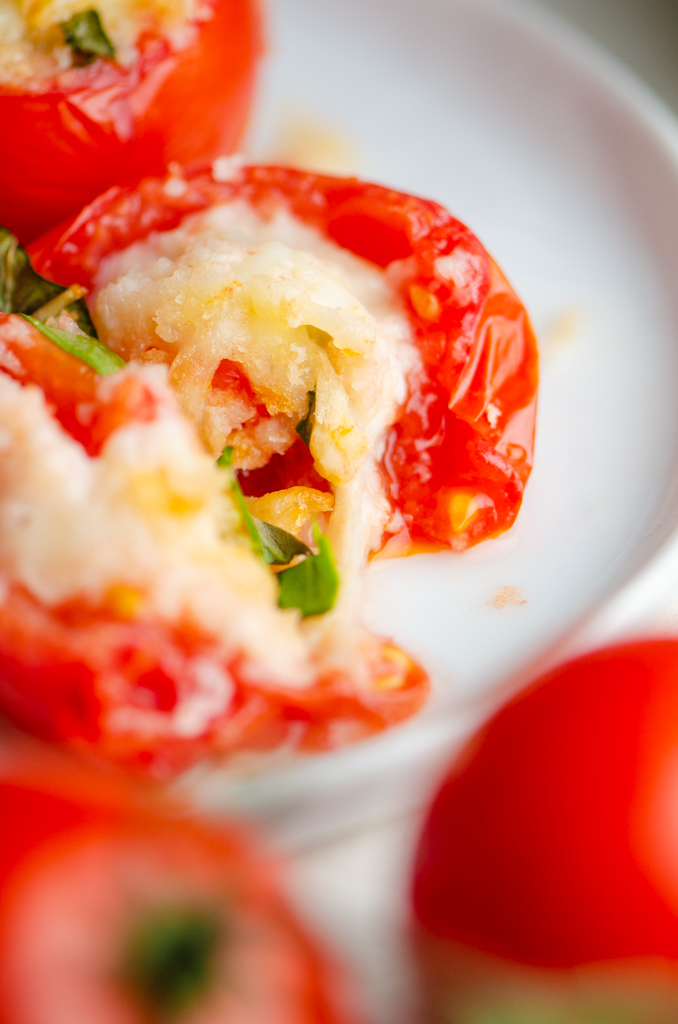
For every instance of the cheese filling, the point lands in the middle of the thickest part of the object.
(301, 319)
(33, 47)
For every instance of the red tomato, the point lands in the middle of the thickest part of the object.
(461, 452)
(553, 844)
(57, 665)
(102, 124)
(70, 385)
(120, 910)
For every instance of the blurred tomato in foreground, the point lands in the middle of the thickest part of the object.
(546, 881)
(116, 911)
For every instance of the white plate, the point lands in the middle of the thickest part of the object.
(567, 169)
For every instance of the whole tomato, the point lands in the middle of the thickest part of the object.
(95, 126)
(116, 910)
(546, 880)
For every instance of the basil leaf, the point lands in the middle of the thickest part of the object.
(312, 585)
(279, 546)
(226, 458)
(23, 290)
(248, 521)
(273, 545)
(305, 426)
(85, 35)
(90, 350)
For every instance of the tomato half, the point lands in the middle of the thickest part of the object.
(548, 864)
(98, 125)
(460, 454)
(67, 671)
(120, 910)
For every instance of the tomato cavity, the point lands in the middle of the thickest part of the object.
(378, 240)
(294, 468)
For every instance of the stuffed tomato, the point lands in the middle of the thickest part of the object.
(94, 96)
(455, 430)
(293, 371)
(121, 910)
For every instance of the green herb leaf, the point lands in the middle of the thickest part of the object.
(90, 350)
(248, 521)
(226, 458)
(313, 584)
(279, 546)
(270, 543)
(85, 35)
(305, 426)
(170, 959)
(224, 461)
(23, 290)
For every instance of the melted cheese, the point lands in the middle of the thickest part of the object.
(297, 314)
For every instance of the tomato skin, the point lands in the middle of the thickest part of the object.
(62, 816)
(103, 124)
(70, 386)
(68, 672)
(460, 454)
(552, 842)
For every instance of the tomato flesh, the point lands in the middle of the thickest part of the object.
(85, 409)
(293, 469)
(69, 672)
(553, 840)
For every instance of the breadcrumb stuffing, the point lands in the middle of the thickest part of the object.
(32, 45)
